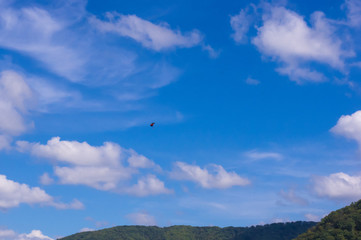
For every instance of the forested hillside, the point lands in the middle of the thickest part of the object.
(344, 223)
(276, 231)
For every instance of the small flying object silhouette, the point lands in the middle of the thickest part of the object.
(152, 124)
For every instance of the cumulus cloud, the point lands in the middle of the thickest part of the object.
(157, 37)
(101, 167)
(12, 194)
(74, 152)
(102, 178)
(142, 218)
(338, 186)
(213, 177)
(7, 234)
(33, 235)
(287, 38)
(349, 126)
(149, 185)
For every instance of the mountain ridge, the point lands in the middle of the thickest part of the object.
(274, 231)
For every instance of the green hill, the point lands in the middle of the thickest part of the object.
(276, 231)
(343, 224)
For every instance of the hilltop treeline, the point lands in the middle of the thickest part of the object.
(344, 223)
(276, 231)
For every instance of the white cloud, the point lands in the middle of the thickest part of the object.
(74, 152)
(338, 186)
(255, 155)
(69, 47)
(4, 142)
(100, 167)
(142, 218)
(7, 234)
(33, 235)
(45, 179)
(75, 204)
(353, 12)
(292, 197)
(102, 178)
(219, 179)
(157, 37)
(31, 31)
(12, 194)
(86, 230)
(240, 24)
(349, 126)
(252, 81)
(312, 217)
(139, 161)
(16, 98)
(287, 38)
(149, 185)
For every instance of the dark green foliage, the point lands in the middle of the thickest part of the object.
(276, 231)
(344, 223)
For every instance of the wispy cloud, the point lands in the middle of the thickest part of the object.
(312, 217)
(240, 24)
(293, 197)
(142, 218)
(154, 36)
(252, 81)
(353, 12)
(256, 155)
(213, 177)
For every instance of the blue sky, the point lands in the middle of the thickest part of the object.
(256, 107)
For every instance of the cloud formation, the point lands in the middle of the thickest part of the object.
(286, 37)
(16, 99)
(338, 186)
(213, 177)
(142, 218)
(256, 155)
(7, 234)
(149, 185)
(353, 12)
(157, 37)
(62, 41)
(349, 126)
(12, 194)
(292, 197)
(240, 24)
(100, 167)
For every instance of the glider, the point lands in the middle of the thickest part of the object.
(152, 124)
